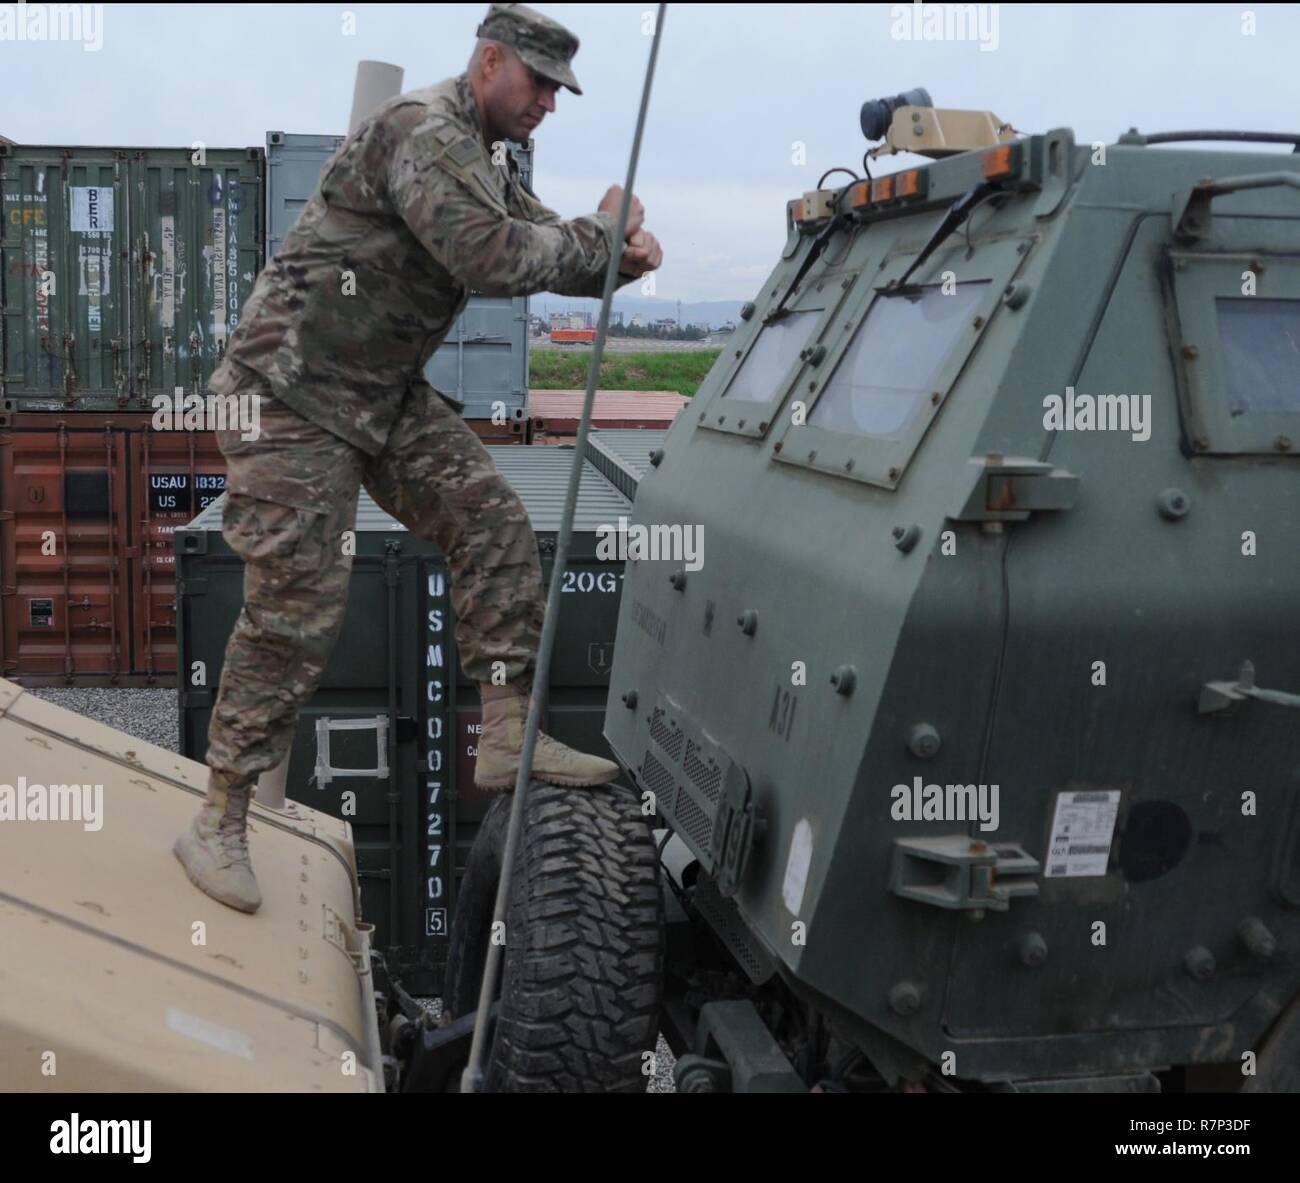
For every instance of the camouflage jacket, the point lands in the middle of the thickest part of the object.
(410, 214)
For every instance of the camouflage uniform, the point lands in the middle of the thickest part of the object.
(411, 213)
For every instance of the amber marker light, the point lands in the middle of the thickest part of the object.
(910, 184)
(998, 162)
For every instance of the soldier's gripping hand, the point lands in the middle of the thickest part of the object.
(611, 203)
(641, 255)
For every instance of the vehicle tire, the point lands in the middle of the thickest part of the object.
(584, 954)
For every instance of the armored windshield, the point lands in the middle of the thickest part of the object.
(771, 356)
(890, 369)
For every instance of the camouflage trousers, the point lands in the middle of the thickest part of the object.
(291, 501)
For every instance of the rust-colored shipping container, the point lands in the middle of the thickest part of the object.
(64, 586)
(573, 336)
(88, 506)
(513, 431)
(174, 476)
(553, 414)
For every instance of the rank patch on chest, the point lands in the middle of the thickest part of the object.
(463, 151)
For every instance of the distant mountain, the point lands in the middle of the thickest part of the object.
(710, 312)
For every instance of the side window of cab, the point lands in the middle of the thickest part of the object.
(1236, 330)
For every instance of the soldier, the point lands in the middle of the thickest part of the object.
(420, 204)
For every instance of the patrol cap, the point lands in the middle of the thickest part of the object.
(544, 45)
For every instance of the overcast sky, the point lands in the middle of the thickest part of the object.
(737, 86)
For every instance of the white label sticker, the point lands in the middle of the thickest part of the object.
(1082, 830)
(92, 209)
(796, 867)
(225, 1039)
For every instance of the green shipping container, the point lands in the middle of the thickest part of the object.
(123, 269)
(394, 702)
(622, 455)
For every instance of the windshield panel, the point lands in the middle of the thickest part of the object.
(890, 369)
(771, 356)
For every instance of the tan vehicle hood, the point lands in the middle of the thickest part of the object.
(117, 974)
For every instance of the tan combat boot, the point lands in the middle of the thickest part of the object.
(505, 712)
(214, 850)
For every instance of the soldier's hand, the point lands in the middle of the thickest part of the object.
(643, 254)
(612, 202)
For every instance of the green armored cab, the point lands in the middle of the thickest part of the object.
(972, 711)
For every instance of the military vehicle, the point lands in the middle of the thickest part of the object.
(971, 726)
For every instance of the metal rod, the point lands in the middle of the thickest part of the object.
(1247, 137)
(475, 1076)
(392, 581)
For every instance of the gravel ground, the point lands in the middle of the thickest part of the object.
(148, 714)
(662, 1081)
(151, 714)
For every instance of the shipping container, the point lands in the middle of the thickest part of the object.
(293, 167)
(554, 414)
(106, 616)
(483, 363)
(623, 456)
(573, 336)
(388, 741)
(123, 270)
(88, 504)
